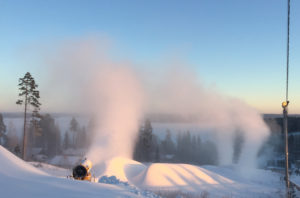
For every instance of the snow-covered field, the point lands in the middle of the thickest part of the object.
(131, 179)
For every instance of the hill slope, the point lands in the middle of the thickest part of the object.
(20, 179)
(224, 181)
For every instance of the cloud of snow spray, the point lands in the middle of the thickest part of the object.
(113, 91)
(180, 92)
(120, 110)
(88, 81)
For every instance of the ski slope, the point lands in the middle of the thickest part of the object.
(224, 181)
(20, 179)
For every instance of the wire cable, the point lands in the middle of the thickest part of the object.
(287, 53)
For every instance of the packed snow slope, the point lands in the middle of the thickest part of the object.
(20, 179)
(224, 181)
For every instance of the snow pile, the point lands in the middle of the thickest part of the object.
(169, 175)
(217, 181)
(124, 169)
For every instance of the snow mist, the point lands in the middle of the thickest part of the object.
(88, 81)
(180, 92)
(85, 75)
(119, 109)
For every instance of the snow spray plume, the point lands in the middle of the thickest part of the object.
(180, 92)
(120, 110)
(90, 82)
(86, 76)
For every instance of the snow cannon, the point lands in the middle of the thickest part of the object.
(83, 170)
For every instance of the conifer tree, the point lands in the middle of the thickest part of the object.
(74, 128)
(66, 143)
(29, 97)
(144, 143)
(147, 140)
(168, 144)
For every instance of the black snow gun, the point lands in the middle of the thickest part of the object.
(83, 170)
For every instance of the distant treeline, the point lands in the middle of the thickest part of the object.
(276, 139)
(184, 148)
(45, 137)
(274, 121)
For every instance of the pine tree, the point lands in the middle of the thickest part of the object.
(34, 132)
(30, 97)
(168, 144)
(144, 143)
(198, 150)
(157, 154)
(74, 128)
(66, 143)
(147, 140)
(50, 139)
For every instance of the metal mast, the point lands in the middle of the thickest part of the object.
(285, 104)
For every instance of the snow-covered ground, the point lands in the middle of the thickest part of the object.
(21, 179)
(225, 181)
(134, 179)
(51, 169)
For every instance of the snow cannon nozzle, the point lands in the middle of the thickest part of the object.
(82, 171)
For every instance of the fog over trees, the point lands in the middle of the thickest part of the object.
(45, 137)
(186, 148)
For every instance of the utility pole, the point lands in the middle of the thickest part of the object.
(285, 129)
(285, 105)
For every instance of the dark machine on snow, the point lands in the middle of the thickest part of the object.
(83, 170)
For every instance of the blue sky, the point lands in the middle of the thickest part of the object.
(237, 45)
